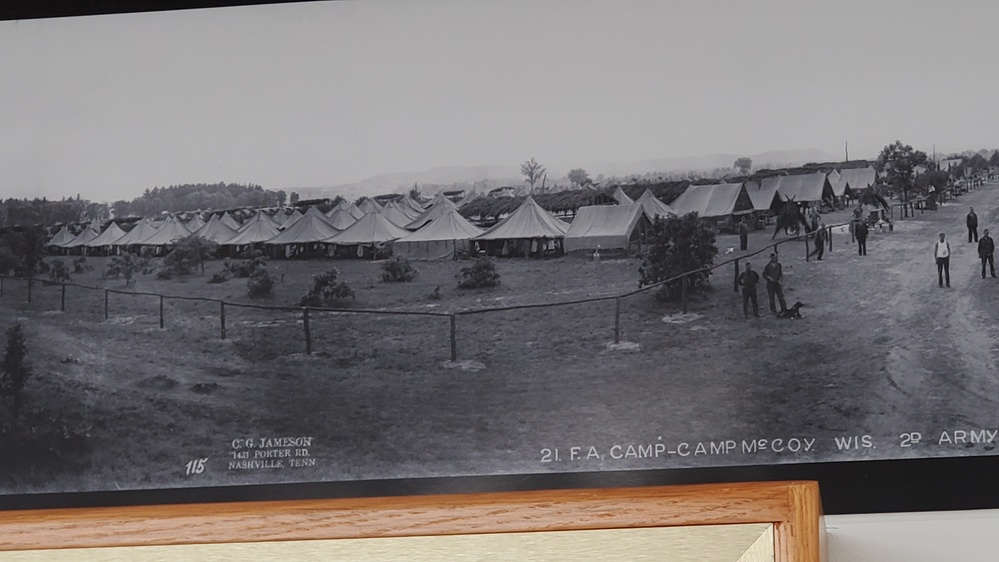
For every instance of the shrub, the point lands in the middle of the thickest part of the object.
(220, 276)
(167, 273)
(58, 271)
(325, 290)
(8, 260)
(260, 284)
(15, 370)
(189, 253)
(125, 265)
(481, 274)
(677, 246)
(398, 270)
(242, 269)
(80, 265)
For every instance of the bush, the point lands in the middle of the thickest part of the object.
(398, 270)
(481, 274)
(8, 261)
(167, 273)
(260, 284)
(674, 247)
(58, 271)
(125, 265)
(241, 269)
(80, 265)
(220, 276)
(189, 253)
(15, 370)
(325, 290)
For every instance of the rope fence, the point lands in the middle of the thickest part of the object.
(308, 312)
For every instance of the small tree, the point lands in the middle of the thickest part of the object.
(897, 162)
(398, 270)
(579, 177)
(994, 159)
(59, 272)
(15, 370)
(125, 265)
(533, 171)
(744, 164)
(189, 253)
(677, 246)
(481, 274)
(260, 284)
(325, 290)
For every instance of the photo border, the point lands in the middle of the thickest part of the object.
(847, 487)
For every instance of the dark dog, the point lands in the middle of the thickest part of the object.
(792, 313)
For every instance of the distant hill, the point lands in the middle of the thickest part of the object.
(489, 176)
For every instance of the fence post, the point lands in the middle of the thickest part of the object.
(29, 289)
(161, 312)
(806, 248)
(617, 320)
(735, 283)
(62, 304)
(106, 292)
(454, 337)
(222, 317)
(683, 293)
(1, 287)
(829, 237)
(308, 333)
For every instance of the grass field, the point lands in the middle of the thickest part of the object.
(881, 351)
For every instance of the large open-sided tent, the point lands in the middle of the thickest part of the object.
(805, 188)
(530, 230)
(61, 238)
(441, 239)
(370, 232)
(108, 239)
(216, 231)
(257, 230)
(605, 227)
(652, 207)
(438, 207)
(714, 201)
(139, 232)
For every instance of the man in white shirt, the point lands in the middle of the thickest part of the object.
(941, 252)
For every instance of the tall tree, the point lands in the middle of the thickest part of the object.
(897, 163)
(533, 171)
(744, 164)
(579, 177)
(994, 160)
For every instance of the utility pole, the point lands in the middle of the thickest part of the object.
(846, 148)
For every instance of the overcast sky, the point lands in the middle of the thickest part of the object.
(316, 94)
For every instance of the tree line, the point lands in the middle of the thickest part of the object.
(198, 196)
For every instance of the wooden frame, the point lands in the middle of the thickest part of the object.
(793, 507)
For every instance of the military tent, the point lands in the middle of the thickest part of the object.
(857, 179)
(257, 230)
(107, 239)
(652, 207)
(764, 196)
(369, 205)
(305, 236)
(229, 221)
(61, 238)
(805, 188)
(438, 207)
(442, 238)
(215, 230)
(85, 235)
(621, 197)
(370, 233)
(714, 201)
(172, 231)
(607, 227)
(139, 232)
(530, 230)
(290, 220)
(340, 219)
(195, 223)
(396, 215)
(413, 205)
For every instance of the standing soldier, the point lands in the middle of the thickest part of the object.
(748, 279)
(860, 231)
(743, 235)
(941, 253)
(820, 241)
(985, 249)
(774, 274)
(972, 225)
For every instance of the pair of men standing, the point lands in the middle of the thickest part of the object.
(986, 247)
(773, 273)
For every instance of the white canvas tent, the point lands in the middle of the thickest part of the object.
(216, 231)
(369, 205)
(168, 235)
(441, 239)
(764, 195)
(142, 230)
(371, 229)
(85, 235)
(257, 230)
(805, 188)
(652, 207)
(340, 219)
(107, 239)
(229, 221)
(438, 207)
(621, 197)
(61, 238)
(604, 226)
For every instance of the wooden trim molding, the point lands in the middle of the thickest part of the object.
(793, 507)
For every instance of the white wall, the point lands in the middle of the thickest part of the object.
(960, 536)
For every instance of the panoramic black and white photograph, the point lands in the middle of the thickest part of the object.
(364, 240)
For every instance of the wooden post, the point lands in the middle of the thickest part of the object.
(308, 333)
(617, 320)
(454, 337)
(106, 292)
(683, 293)
(222, 317)
(62, 305)
(29, 289)
(806, 248)
(829, 236)
(735, 283)
(1, 287)
(161, 312)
